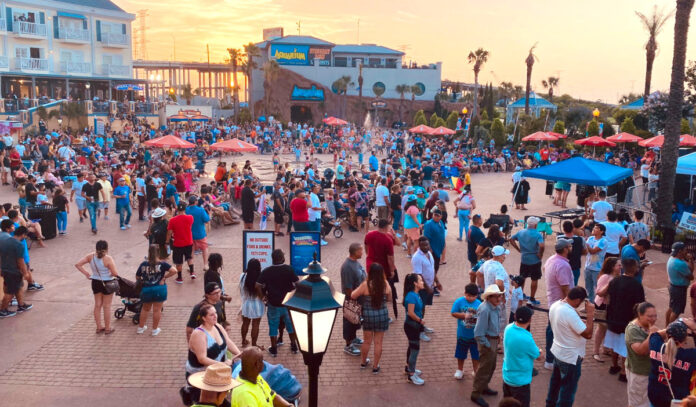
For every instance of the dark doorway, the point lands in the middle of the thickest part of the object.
(300, 114)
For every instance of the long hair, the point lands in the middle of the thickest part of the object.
(494, 233)
(253, 272)
(215, 262)
(671, 349)
(608, 265)
(409, 285)
(152, 255)
(376, 285)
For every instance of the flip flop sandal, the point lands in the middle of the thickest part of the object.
(109, 332)
(99, 330)
(597, 358)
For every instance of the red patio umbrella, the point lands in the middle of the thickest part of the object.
(422, 129)
(234, 145)
(656, 141)
(687, 140)
(595, 141)
(624, 138)
(559, 135)
(169, 142)
(334, 121)
(441, 131)
(540, 136)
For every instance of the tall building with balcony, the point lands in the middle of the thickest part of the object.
(55, 49)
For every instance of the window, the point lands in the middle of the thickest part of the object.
(66, 23)
(111, 28)
(29, 52)
(71, 56)
(112, 59)
(375, 63)
(341, 61)
(391, 63)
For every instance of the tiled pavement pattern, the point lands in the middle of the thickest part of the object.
(54, 348)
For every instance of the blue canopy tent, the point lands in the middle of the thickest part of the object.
(635, 105)
(536, 103)
(686, 164)
(580, 170)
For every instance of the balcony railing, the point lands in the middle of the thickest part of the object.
(116, 70)
(31, 64)
(72, 34)
(4, 62)
(3, 26)
(100, 106)
(76, 67)
(26, 28)
(114, 39)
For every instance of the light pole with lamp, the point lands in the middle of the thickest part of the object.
(465, 111)
(313, 306)
(87, 95)
(60, 122)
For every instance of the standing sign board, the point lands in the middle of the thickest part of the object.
(303, 246)
(258, 244)
(688, 222)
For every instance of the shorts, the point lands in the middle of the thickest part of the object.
(637, 389)
(278, 217)
(426, 296)
(466, 346)
(181, 253)
(412, 233)
(383, 212)
(677, 298)
(532, 271)
(274, 316)
(98, 287)
(248, 217)
(339, 182)
(81, 204)
(200, 244)
(153, 293)
(103, 205)
(363, 213)
(12, 283)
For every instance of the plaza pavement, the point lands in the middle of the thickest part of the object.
(51, 356)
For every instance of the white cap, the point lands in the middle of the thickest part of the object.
(499, 251)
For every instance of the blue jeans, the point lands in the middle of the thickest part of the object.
(124, 211)
(563, 384)
(62, 218)
(591, 282)
(549, 341)
(275, 314)
(92, 208)
(576, 277)
(463, 216)
(397, 220)
(23, 206)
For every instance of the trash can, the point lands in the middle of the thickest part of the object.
(46, 217)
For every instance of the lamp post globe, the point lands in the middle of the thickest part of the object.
(595, 112)
(465, 111)
(313, 306)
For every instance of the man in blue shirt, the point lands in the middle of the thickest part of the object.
(200, 218)
(680, 270)
(635, 251)
(434, 230)
(530, 243)
(170, 193)
(123, 208)
(374, 162)
(520, 351)
(464, 309)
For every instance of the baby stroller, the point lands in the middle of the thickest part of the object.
(328, 224)
(130, 298)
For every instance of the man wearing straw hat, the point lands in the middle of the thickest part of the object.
(253, 390)
(215, 382)
(487, 335)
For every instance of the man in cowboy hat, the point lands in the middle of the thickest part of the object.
(253, 390)
(214, 384)
(487, 335)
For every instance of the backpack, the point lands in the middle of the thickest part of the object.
(158, 232)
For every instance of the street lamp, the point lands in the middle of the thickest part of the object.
(595, 113)
(313, 307)
(60, 122)
(465, 111)
(87, 86)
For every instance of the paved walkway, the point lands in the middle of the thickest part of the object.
(51, 355)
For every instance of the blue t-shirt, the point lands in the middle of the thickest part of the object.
(678, 270)
(520, 353)
(170, 191)
(413, 298)
(629, 252)
(125, 191)
(465, 327)
(374, 163)
(428, 173)
(200, 218)
(435, 232)
(529, 240)
(680, 376)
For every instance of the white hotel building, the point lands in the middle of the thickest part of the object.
(52, 49)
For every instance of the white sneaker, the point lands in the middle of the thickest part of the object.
(424, 337)
(459, 375)
(141, 330)
(156, 332)
(428, 330)
(548, 366)
(415, 379)
(128, 226)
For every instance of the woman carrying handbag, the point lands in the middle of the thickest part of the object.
(104, 284)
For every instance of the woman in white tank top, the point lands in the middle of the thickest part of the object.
(103, 272)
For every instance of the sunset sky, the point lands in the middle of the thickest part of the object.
(596, 47)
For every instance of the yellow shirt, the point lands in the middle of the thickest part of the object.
(249, 394)
(467, 179)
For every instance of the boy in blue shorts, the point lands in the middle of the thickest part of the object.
(464, 309)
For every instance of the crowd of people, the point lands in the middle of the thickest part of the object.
(395, 190)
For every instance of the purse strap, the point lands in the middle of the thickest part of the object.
(662, 362)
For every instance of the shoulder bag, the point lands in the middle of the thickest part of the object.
(110, 286)
(352, 311)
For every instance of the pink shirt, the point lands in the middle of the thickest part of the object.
(602, 282)
(558, 273)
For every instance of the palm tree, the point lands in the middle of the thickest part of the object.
(530, 63)
(653, 25)
(507, 91)
(73, 110)
(251, 51)
(271, 69)
(478, 58)
(187, 93)
(518, 92)
(670, 148)
(402, 90)
(549, 84)
(415, 89)
(235, 59)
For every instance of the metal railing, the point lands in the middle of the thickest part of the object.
(70, 67)
(27, 28)
(72, 34)
(3, 24)
(31, 64)
(100, 106)
(4, 62)
(145, 108)
(110, 39)
(116, 70)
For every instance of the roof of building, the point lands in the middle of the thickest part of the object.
(365, 49)
(534, 101)
(102, 4)
(300, 40)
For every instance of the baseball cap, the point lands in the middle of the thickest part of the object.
(409, 190)
(436, 212)
(677, 247)
(211, 286)
(562, 244)
(411, 198)
(523, 315)
(192, 199)
(677, 330)
(499, 251)
(121, 179)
